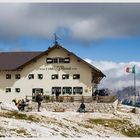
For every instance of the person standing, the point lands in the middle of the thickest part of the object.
(57, 95)
(39, 100)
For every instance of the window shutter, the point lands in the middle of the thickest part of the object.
(33, 90)
(42, 90)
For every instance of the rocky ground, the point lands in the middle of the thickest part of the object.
(69, 124)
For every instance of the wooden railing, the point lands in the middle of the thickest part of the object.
(86, 99)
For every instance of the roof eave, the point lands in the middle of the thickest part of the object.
(50, 49)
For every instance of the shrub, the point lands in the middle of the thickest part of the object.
(47, 98)
(61, 99)
(133, 110)
(82, 99)
(52, 98)
(71, 99)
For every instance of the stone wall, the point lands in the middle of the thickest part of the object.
(94, 106)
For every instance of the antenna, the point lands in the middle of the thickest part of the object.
(55, 39)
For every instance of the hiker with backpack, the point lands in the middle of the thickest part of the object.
(39, 99)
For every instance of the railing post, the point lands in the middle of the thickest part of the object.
(97, 98)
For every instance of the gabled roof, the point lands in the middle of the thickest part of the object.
(71, 53)
(17, 60)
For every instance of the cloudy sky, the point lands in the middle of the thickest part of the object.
(106, 35)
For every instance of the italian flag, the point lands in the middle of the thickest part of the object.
(130, 69)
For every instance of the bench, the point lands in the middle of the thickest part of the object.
(59, 110)
(87, 110)
(90, 110)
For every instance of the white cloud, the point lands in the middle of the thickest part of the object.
(116, 76)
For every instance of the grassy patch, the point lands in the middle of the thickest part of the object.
(21, 116)
(132, 132)
(123, 126)
(75, 129)
(55, 129)
(64, 135)
(112, 123)
(22, 131)
(87, 126)
(2, 132)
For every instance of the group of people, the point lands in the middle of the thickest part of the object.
(39, 98)
(21, 103)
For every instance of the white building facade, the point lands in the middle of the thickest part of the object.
(24, 74)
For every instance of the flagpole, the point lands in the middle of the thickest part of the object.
(133, 71)
(135, 88)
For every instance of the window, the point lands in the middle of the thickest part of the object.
(49, 60)
(31, 76)
(61, 60)
(35, 91)
(17, 76)
(55, 76)
(55, 60)
(17, 90)
(8, 90)
(64, 60)
(65, 76)
(58, 60)
(56, 89)
(40, 76)
(67, 90)
(67, 60)
(8, 76)
(76, 76)
(77, 90)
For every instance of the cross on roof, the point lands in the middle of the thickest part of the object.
(56, 39)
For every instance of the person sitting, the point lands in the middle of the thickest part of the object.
(28, 103)
(26, 99)
(14, 100)
(82, 107)
(18, 101)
